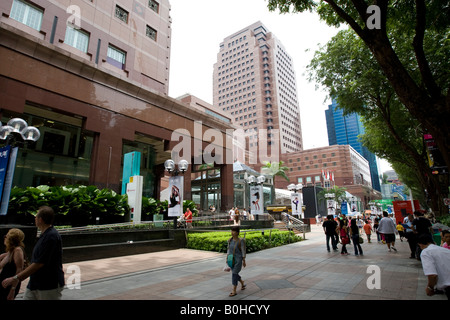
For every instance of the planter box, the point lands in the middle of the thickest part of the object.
(93, 245)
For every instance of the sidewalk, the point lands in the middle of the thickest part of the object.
(299, 271)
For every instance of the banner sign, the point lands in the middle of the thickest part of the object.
(8, 179)
(344, 208)
(176, 184)
(131, 168)
(296, 203)
(331, 205)
(4, 159)
(256, 200)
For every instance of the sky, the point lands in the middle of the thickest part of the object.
(191, 65)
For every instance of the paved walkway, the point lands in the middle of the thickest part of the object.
(299, 271)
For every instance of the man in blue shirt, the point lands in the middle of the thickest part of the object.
(46, 271)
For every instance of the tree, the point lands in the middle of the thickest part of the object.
(339, 194)
(346, 67)
(421, 85)
(276, 169)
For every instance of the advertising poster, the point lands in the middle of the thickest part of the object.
(4, 157)
(8, 180)
(331, 207)
(344, 208)
(296, 204)
(176, 196)
(353, 206)
(256, 200)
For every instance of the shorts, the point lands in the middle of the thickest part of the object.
(389, 237)
(53, 294)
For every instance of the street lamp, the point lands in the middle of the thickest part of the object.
(15, 130)
(261, 179)
(18, 128)
(169, 165)
(295, 187)
(252, 180)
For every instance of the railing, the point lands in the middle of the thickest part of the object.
(293, 223)
(204, 221)
(123, 225)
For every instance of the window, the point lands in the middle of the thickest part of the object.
(116, 57)
(77, 39)
(63, 142)
(152, 4)
(122, 14)
(151, 33)
(27, 14)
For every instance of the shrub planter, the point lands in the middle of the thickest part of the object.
(81, 246)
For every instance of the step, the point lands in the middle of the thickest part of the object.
(109, 250)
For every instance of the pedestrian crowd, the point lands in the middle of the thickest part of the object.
(415, 228)
(46, 275)
(237, 215)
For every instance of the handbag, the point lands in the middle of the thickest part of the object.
(345, 240)
(230, 260)
(361, 240)
(230, 257)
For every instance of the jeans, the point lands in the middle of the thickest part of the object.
(333, 242)
(235, 278)
(356, 245)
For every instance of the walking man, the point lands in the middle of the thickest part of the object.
(388, 229)
(45, 271)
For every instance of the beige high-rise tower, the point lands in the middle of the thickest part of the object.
(254, 81)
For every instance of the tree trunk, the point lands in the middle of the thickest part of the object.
(433, 114)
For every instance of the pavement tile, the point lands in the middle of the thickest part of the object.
(299, 271)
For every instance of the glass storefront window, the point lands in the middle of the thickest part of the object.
(205, 189)
(61, 156)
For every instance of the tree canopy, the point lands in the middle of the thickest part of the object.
(409, 41)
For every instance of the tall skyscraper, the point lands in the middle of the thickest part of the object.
(346, 130)
(254, 82)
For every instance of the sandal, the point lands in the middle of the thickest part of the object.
(243, 287)
(232, 294)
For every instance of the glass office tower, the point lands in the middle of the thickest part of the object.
(346, 130)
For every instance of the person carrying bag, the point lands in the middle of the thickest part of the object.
(236, 253)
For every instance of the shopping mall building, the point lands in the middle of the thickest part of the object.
(93, 77)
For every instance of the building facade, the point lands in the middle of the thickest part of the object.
(346, 129)
(93, 77)
(254, 82)
(337, 165)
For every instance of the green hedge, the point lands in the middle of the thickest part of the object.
(444, 220)
(77, 203)
(80, 205)
(255, 240)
